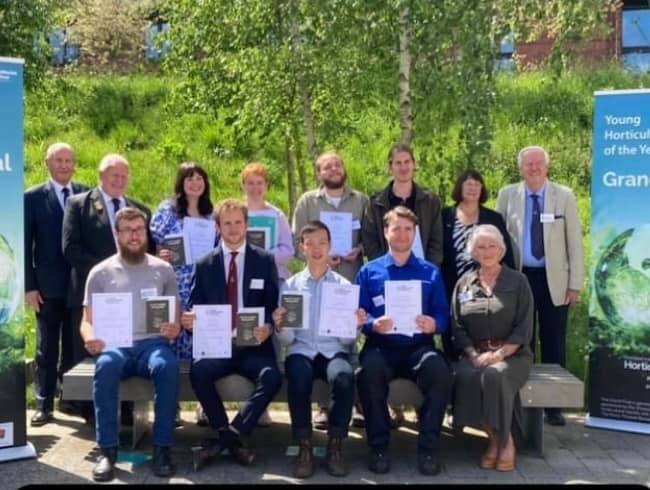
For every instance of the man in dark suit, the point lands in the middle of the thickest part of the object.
(238, 274)
(88, 235)
(47, 276)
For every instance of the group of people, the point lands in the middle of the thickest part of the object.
(485, 278)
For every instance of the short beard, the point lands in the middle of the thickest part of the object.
(132, 257)
(328, 184)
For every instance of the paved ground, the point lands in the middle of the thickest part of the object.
(573, 454)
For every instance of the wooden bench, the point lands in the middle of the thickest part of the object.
(549, 385)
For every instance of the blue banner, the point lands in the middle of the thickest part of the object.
(619, 313)
(13, 438)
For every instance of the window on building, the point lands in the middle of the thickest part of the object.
(635, 35)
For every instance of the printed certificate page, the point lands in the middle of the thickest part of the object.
(338, 306)
(340, 226)
(403, 304)
(212, 333)
(199, 235)
(113, 318)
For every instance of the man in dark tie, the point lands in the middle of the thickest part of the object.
(241, 275)
(542, 219)
(89, 236)
(47, 276)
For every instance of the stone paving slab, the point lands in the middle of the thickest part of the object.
(573, 454)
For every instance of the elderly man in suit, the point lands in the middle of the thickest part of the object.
(241, 275)
(89, 235)
(47, 276)
(542, 218)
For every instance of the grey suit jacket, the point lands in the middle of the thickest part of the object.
(563, 247)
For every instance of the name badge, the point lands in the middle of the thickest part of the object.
(148, 293)
(465, 296)
(257, 283)
(378, 301)
(547, 217)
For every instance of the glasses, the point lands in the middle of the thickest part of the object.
(133, 231)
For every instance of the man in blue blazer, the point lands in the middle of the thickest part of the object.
(47, 276)
(238, 274)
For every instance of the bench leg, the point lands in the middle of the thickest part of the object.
(140, 422)
(534, 429)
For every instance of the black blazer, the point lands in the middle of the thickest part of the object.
(485, 217)
(88, 239)
(210, 284)
(46, 270)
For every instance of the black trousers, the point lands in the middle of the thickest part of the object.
(550, 320)
(58, 334)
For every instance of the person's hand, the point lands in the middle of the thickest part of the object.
(170, 330)
(34, 300)
(166, 254)
(262, 333)
(334, 261)
(571, 297)
(187, 320)
(362, 318)
(352, 255)
(279, 316)
(383, 324)
(94, 346)
(487, 358)
(425, 323)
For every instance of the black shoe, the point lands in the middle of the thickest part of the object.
(379, 461)
(555, 417)
(161, 463)
(241, 452)
(103, 470)
(204, 453)
(41, 418)
(428, 464)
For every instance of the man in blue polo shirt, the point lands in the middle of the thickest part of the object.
(387, 355)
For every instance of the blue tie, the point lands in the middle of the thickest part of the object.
(536, 230)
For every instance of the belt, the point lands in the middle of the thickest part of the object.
(489, 345)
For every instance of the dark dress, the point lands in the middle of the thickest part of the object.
(490, 395)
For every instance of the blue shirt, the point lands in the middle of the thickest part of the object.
(307, 342)
(371, 280)
(529, 258)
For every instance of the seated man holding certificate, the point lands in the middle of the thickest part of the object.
(318, 320)
(242, 280)
(406, 303)
(129, 322)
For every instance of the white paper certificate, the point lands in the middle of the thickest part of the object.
(112, 317)
(340, 226)
(212, 333)
(198, 237)
(403, 304)
(338, 306)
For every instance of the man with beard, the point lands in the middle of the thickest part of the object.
(333, 195)
(151, 356)
(47, 277)
(89, 237)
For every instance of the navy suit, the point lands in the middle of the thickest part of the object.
(257, 363)
(47, 271)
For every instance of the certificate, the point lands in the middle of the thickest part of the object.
(297, 305)
(199, 235)
(338, 306)
(212, 333)
(248, 319)
(159, 310)
(340, 226)
(112, 317)
(403, 304)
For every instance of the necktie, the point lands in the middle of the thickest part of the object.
(66, 193)
(232, 287)
(536, 230)
(116, 204)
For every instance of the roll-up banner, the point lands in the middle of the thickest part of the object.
(13, 429)
(619, 312)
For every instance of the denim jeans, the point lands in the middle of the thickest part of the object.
(301, 372)
(427, 368)
(152, 359)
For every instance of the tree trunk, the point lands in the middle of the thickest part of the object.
(405, 104)
(291, 174)
(299, 160)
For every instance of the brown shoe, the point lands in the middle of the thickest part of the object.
(336, 465)
(243, 454)
(303, 466)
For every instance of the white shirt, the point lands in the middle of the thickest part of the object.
(58, 189)
(239, 260)
(108, 204)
